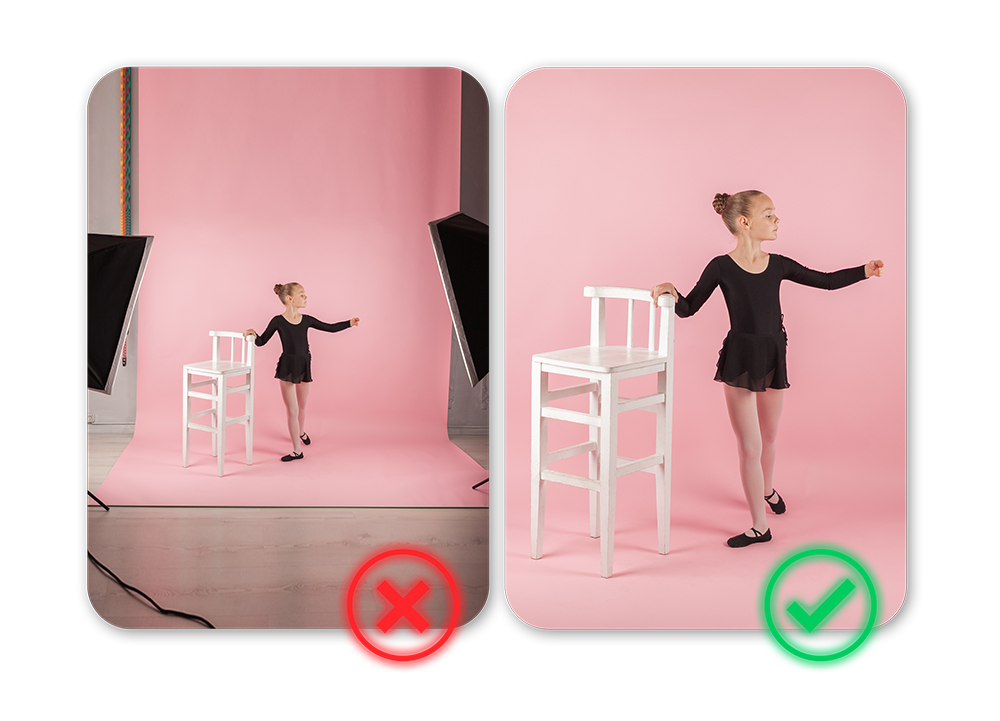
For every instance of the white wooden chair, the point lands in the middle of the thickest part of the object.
(603, 366)
(218, 372)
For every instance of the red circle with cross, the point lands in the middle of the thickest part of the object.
(402, 605)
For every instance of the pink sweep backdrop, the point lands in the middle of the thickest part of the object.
(609, 178)
(326, 177)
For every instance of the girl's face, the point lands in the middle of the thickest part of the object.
(763, 223)
(298, 297)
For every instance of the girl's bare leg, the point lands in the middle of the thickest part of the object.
(289, 396)
(302, 395)
(769, 405)
(743, 415)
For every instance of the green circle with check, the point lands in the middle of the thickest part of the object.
(811, 620)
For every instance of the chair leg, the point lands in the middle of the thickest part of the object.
(221, 423)
(186, 438)
(608, 470)
(249, 422)
(539, 446)
(247, 435)
(663, 448)
(215, 419)
(593, 458)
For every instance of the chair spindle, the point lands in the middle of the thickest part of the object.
(631, 323)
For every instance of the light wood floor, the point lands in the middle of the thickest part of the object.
(265, 567)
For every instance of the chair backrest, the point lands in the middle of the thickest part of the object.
(236, 341)
(599, 293)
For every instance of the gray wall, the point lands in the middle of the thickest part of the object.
(104, 216)
(468, 407)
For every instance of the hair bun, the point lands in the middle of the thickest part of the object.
(277, 289)
(720, 202)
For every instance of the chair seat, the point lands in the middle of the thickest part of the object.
(219, 367)
(602, 359)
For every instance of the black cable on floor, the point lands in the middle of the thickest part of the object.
(133, 589)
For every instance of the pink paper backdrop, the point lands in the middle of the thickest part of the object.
(322, 176)
(610, 174)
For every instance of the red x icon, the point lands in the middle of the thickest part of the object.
(439, 654)
(403, 606)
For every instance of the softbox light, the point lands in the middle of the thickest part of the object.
(462, 247)
(115, 266)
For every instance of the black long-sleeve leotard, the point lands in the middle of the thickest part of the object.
(753, 354)
(294, 364)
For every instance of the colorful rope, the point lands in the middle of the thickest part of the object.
(126, 164)
(126, 148)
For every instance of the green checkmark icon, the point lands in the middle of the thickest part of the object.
(786, 651)
(810, 621)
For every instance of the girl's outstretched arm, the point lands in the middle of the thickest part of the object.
(328, 327)
(798, 273)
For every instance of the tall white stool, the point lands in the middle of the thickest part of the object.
(217, 373)
(602, 367)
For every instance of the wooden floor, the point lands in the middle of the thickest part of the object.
(264, 567)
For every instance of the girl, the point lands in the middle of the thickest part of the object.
(294, 364)
(752, 359)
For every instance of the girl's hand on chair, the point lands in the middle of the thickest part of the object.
(249, 331)
(875, 268)
(662, 288)
(355, 321)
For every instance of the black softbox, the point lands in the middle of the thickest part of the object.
(115, 265)
(462, 246)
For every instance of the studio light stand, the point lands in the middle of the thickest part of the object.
(99, 501)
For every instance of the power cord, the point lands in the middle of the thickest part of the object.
(133, 589)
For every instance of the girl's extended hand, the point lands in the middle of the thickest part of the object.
(354, 321)
(249, 331)
(662, 288)
(875, 268)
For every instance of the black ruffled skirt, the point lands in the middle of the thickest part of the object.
(294, 368)
(754, 362)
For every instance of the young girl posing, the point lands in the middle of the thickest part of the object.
(294, 365)
(752, 359)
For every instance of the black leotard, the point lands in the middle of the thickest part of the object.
(753, 354)
(294, 364)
